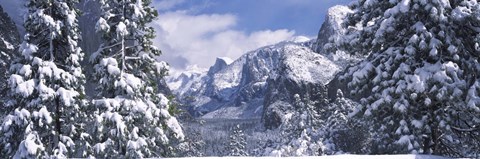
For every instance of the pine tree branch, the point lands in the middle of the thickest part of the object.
(465, 130)
(103, 48)
(476, 29)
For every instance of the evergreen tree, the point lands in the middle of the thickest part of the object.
(4, 64)
(192, 146)
(306, 122)
(133, 119)
(238, 143)
(341, 133)
(421, 74)
(300, 135)
(45, 99)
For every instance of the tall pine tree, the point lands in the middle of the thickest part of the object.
(133, 119)
(300, 130)
(421, 74)
(46, 86)
(340, 132)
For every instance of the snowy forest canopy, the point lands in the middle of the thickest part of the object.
(403, 80)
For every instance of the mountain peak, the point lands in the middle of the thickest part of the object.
(220, 63)
(332, 27)
(336, 16)
(300, 39)
(226, 60)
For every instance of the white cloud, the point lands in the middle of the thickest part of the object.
(198, 39)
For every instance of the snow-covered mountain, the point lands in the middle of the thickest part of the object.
(300, 71)
(9, 40)
(238, 89)
(332, 27)
(261, 83)
(9, 37)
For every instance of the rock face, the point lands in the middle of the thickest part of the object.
(303, 72)
(332, 31)
(220, 63)
(9, 36)
(9, 41)
(332, 27)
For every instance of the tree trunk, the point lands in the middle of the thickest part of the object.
(58, 123)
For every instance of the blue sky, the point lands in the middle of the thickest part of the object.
(303, 16)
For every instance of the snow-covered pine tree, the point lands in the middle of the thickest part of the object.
(340, 132)
(238, 143)
(45, 99)
(421, 74)
(306, 123)
(133, 119)
(5, 60)
(299, 134)
(192, 146)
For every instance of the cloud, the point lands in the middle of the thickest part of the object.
(187, 39)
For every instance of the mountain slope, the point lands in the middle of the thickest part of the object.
(239, 89)
(9, 41)
(302, 72)
(9, 36)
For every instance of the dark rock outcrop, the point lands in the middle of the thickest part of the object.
(220, 64)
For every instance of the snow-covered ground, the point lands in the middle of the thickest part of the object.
(340, 157)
